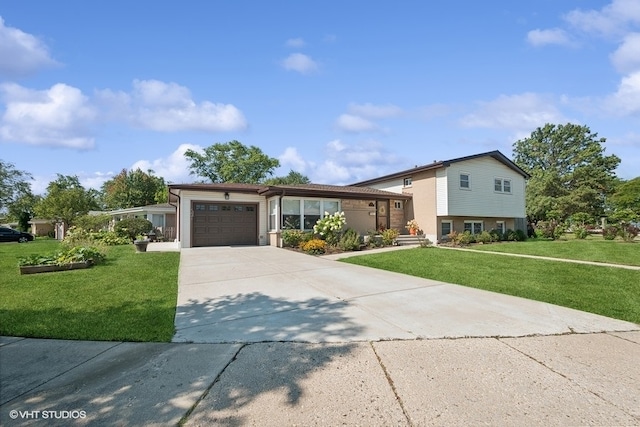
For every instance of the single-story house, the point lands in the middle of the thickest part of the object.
(472, 193)
(42, 227)
(162, 216)
(475, 193)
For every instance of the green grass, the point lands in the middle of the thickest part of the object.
(609, 291)
(132, 297)
(594, 248)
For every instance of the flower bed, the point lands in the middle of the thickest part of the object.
(71, 259)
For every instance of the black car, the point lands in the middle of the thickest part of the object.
(10, 235)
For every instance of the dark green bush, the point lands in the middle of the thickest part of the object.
(292, 238)
(580, 232)
(496, 235)
(466, 238)
(521, 236)
(132, 227)
(350, 240)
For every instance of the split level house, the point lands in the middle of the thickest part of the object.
(474, 193)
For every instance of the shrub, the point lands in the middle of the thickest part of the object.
(466, 238)
(454, 237)
(389, 236)
(373, 239)
(292, 238)
(77, 236)
(629, 232)
(132, 227)
(424, 242)
(350, 240)
(610, 233)
(496, 235)
(521, 236)
(109, 238)
(581, 232)
(483, 237)
(93, 222)
(549, 229)
(314, 246)
(330, 226)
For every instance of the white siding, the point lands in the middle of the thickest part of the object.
(481, 200)
(187, 196)
(442, 198)
(393, 185)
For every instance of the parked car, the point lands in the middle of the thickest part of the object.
(10, 235)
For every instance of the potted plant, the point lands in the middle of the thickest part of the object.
(413, 227)
(141, 243)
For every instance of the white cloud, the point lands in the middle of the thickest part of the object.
(174, 168)
(292, 159)
(351, 123)
(343, 163)
(373, 111)
(627, 57)
(612, 19)
(551, 36)
(21, 53)
(626, 100)
(300, 62)
(297, 42)
(57, 117)
(523, 111)
(169, 107)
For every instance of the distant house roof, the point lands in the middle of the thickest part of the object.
(309, 190)
(497, 155)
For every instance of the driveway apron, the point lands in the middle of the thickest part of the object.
(262, 294)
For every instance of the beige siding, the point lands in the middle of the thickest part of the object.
(394, 185)
(481, 200)
(424, 202)
(359, 215)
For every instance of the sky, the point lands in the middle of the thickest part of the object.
(341, 91)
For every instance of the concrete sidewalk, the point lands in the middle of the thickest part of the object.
(575, 379)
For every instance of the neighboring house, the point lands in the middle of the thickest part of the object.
(474, 193)
(162, 216)
(245, 214)
(42, 227)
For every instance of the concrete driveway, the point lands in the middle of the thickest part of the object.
(257, 294)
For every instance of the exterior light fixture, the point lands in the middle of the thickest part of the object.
(226, 196)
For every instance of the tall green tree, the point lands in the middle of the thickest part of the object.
(66, 199)
(232, 162)
(134, 188)
(13, 184)
(292, 178)
(569, 170)
(627, 196)
(23, 209)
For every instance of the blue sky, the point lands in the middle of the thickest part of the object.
(340, 91)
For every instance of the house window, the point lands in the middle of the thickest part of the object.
(465, 181)
(302, 214)
(311, 213)
(273, 211)
(473, 227)
(397, 204)
(407, 182)
(445, 228)
(501, 185)
(500, 226)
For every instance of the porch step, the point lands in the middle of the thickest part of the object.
(406, 239)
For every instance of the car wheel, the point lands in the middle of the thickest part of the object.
(23, 240)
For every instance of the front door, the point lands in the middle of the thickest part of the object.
(382, 214)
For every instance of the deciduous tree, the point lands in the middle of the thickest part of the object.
(13, 184)
(232, 162)
(66, 199)
(292, 178)
(134, 188)
(627, 196)
(569, 171)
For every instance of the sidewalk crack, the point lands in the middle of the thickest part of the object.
(392, 385)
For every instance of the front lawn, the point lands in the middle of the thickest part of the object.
(131, 297)
(609, 291)
(594, 248)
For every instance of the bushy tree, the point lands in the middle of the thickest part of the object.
(23, 209)
(569, 171)
(14, 183)
(292, 178)
(232, 162)
(66, 199)
(133, 227)
(134, 188)
(627, 196)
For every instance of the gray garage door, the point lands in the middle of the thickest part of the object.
(223, 224)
